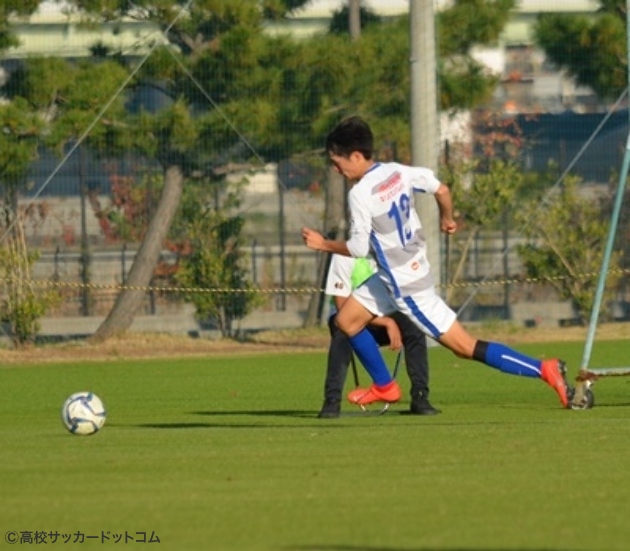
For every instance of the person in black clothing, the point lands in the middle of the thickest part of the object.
(393, 330)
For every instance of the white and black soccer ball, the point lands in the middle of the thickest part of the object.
(83, 413)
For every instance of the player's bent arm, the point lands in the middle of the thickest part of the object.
(336, 247)
(445, 205)
(316, 241)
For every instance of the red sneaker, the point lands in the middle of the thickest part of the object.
(553, 372)
(363, 396)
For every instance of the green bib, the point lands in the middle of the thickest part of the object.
(361, 271)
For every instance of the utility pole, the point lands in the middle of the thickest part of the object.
(354, 18)
(282, 298)
(425, 131)
(86, 260)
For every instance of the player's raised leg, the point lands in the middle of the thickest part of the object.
(507, 360)
(352, 319)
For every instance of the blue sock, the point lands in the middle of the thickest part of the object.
(367, 351)
(510, 361)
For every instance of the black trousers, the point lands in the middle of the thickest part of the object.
(340, 354)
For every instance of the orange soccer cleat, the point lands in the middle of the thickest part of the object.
(363, 396)
(553, 372)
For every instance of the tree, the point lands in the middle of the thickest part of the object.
(562, 257)
(376, 69)
(168, 136)
(210, 23)
(591, 49)
(22, 305)
(67, 97)
(216, 260)
(484, 185)
(22, 126)
(481, 199)
(223, 38)
(464, 82)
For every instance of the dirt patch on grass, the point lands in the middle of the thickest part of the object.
(148, 346)
(138, 346)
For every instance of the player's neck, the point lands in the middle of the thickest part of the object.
(369, 166)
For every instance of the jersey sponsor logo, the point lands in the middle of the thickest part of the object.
(339, 285)
(415, 265)
(389, 187)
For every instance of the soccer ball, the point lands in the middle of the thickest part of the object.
(83, 413)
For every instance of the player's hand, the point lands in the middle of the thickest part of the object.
(393, 333)
(448, 226)
(313, 239)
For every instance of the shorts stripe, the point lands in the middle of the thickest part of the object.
(417, 313)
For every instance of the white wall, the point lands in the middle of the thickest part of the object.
(324, 8)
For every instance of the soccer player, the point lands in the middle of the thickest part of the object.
(345, 274)
(384, 224)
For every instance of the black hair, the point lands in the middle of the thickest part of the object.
(350, 135)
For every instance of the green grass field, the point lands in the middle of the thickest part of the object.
(226, 453)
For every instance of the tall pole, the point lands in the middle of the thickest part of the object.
(425, 132)
(282, 299)
(86, 300)
(354, 18)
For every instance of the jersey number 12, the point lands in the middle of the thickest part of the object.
(400, 212)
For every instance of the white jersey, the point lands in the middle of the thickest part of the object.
(385, 225)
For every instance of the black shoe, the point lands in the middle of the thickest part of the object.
(422, 406)
(330, 410)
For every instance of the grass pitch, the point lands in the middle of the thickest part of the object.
(226, 453)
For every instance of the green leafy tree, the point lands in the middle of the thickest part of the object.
(173, 136)
(376, 67)
(590, 48)
(564, 257)
(21, 128)
(463, 81)
(21, 304)
(216, 261)
(480, 199)
(285, 95)
(67, 97)
(22, 125)
(484, 186)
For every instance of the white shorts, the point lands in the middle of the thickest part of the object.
(426, 309)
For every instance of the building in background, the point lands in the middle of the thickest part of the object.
(56, 30)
